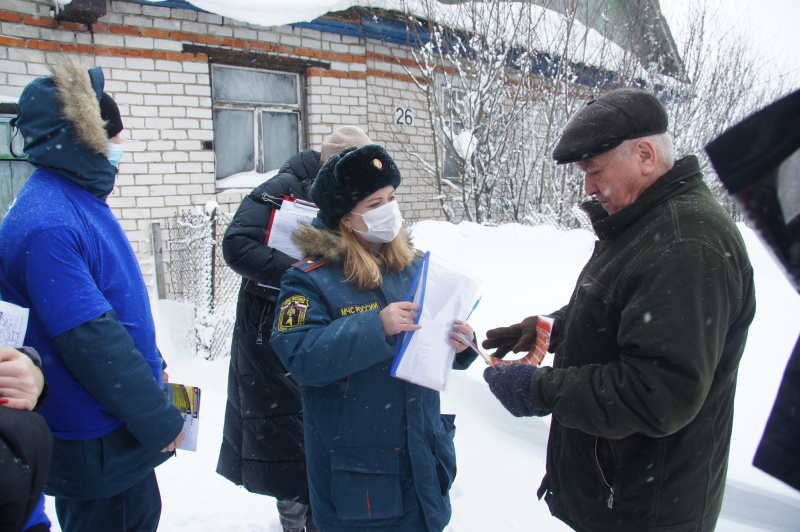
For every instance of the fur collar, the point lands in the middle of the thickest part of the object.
(328, 245)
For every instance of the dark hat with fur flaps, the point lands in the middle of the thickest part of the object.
(606, 122)
(349, 177)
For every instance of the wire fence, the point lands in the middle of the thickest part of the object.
(199, 276)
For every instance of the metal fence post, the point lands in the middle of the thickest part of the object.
(213, 257)
(158, 258)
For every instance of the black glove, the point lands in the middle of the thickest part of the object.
(511, 384)
(518, 337)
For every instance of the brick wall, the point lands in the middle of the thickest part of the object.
(164, 94)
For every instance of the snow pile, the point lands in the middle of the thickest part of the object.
(525, 270)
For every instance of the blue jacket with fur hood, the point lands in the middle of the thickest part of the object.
(64, 256)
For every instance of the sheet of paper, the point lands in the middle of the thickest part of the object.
(13, 324)
(187, 400)
(450, 294)
(285, 222)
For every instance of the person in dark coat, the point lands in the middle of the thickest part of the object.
(262, 446)
(26, 445)
(64, 256)
(758, 161)
(647, 350)
(380, 455)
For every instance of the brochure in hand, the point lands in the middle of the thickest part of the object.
(13, 324)
(187, 400)
(544, 328)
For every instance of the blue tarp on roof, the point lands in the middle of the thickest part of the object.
(180, 4)
(393, 31)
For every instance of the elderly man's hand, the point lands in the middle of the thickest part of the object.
(511, 384)
(21, 381)
(518, 337)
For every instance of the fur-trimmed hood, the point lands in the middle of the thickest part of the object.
(317, 240)
(59, 118)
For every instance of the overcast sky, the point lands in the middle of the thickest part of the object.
(771, 25)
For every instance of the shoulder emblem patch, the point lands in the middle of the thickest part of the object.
(308, 264)
(293, 313)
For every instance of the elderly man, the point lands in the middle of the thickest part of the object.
(647, 349)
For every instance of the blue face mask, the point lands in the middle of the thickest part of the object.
(115, 152)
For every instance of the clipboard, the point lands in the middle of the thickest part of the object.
(444, 293)
(283, 222)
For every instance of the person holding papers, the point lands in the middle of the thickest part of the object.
(64, 256)
(380, 456)
(641, 390)
(262, 446)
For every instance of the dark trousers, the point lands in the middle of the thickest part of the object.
(137, 509)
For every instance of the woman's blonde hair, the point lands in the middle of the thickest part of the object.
(364, 268)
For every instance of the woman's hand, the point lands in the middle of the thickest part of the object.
(398, 317)
(461, 335)
(21, 382)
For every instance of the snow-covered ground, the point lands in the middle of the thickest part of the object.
(525, 271)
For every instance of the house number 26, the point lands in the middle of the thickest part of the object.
(405, 116)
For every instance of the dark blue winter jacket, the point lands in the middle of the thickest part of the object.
(379, 453)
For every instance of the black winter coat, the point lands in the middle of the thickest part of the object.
(262, 447)
(644, 375)
(756, 160)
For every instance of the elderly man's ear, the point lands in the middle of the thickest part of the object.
(646, 156)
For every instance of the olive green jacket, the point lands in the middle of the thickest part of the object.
(643, 383)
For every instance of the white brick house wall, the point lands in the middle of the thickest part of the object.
(164, 94)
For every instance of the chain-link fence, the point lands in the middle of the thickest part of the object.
(199, 276)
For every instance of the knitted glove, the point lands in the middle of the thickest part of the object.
(512, 386)
(518, 337)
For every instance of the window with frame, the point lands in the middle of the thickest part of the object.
(8, 140)
(14, 167)
(257, 119)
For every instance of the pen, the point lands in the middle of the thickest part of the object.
(476, 348)
(473, 308)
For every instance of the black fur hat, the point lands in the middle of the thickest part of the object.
(606, 122)
(349, 177)
(109, 112)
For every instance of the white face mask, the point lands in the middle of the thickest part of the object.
(115, 152)
(383, 223)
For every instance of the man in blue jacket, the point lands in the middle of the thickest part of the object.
(64, 256)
